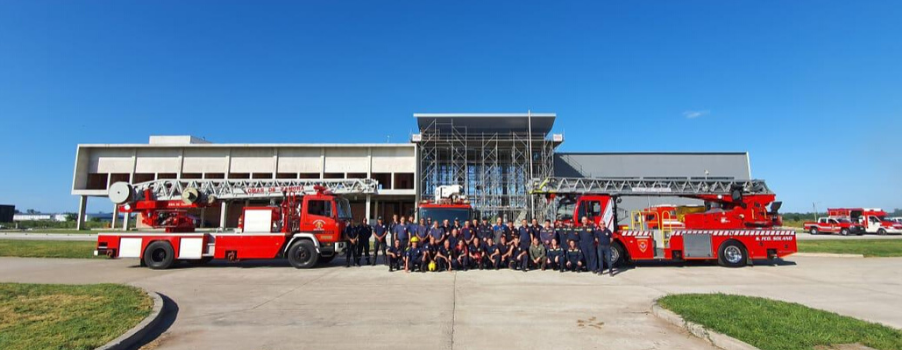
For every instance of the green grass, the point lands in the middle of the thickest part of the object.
(776, 325)
(47, 249)
(50, 316)
(868, 248)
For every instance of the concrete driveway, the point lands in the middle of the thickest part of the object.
(268, 305)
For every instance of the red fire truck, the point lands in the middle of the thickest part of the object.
(735, 228)
(666, 216)
(305, 227)
(873, 220)
(449, 204)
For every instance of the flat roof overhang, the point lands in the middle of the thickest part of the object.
(487, 122)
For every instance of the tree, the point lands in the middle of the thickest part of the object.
(71, 217)
(31, 211)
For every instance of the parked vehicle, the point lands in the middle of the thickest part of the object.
(841, 226)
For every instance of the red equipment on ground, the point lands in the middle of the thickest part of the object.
(735, 227)
(305, 227)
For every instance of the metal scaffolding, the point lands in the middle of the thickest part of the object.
(493, 168)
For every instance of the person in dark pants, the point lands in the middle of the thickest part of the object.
(498, 230)
(519, 255)
(379, 233)
(546, 234)
(555, 256)
(525, 232)
(352, 233)
(443, 257)
(395, 256)
(413, 257)
(363, 246)
(468, 233)
(574, 258)
(477, 254)
(507, 252)
(492, 255)
(536, 228)
(586, 232)
(462, 256)
(510, 231)
(537, 254)
(603, 236)
(484, 230)
(400, 233)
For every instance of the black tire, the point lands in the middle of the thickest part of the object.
(302, 254)
(325, 259)
(159, 255)
(732, 254)
(813, 231)
(619, 256)
(844, 232)
(881, 232)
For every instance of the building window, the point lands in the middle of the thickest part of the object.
(97, 181)
(384, 180)
(192, 175)
(139, 178)
(239, 176)
(114, 178)
(356, 175)
(214, 176)
(287, 176)
(334, 176)
(404, 181)
(308, 176)
(161, 176)
(262, 175)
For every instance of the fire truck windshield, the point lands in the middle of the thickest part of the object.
(344, 208)
(441, 214)
(565, 210)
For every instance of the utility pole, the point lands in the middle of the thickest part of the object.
(814, 206)
(532, 198)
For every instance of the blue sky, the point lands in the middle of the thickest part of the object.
(812, 89)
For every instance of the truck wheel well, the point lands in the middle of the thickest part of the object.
(626, 253)
(745, 250)
(295, 238)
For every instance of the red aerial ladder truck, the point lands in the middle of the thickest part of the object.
(735, 228)
(304, 223)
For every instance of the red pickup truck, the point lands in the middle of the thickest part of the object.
(834, 225)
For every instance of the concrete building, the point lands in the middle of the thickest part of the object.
(40, 217)
(492, 155)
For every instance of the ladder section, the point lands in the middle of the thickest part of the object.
(647, 186)
(219, 189)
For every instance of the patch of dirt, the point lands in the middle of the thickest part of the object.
(843, 347)
(591, 322)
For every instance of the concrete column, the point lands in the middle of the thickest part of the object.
(368, 209)
(125, 221)
(82, 206)
(115, 216)
(223, 214)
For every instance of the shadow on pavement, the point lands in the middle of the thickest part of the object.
(170, 313)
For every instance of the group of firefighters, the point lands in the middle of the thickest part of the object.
(443, 246)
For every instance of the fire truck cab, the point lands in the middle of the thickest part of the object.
(449, 204)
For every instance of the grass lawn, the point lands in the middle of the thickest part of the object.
(867, 247)
(776, 325)
(47, 249)
(51, 316)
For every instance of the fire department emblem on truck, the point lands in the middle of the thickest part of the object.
(643, 245)
(318, 225)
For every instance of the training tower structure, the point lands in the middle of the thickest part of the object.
(492, 156)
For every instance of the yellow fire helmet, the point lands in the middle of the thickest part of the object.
(432, 266)
(414, 240)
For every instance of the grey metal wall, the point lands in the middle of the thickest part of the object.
(734, 165)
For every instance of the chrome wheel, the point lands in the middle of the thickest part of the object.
(733, 254)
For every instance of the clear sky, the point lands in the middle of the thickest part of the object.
(812, 89)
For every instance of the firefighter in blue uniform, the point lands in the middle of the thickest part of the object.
(395, 256)
(574, 258)
(363, 246)
(477, 254)
(546, 234)
(586, 233)
(379, 233)
(498, 230)
(492, 254)
(413, 257)
(399, 232)
(484, 230)
(436, 233)
(555, 256)
(467, 233)
(443, 256)
(603, 236)
(525, 232)
(352, 233)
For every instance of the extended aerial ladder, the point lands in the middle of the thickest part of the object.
(306, 226)
(735, 227)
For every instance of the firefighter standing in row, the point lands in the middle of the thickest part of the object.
(352, 232)
(363, 245)
(603, 236)
(379, 233)
(399, 232)
(587, 244)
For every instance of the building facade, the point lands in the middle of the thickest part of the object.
(493, 156)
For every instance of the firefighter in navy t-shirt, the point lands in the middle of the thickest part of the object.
(574, 257)
(413, 258)
(399, 232)
(477, 254)
(555, 256)
(492, 255)
(395, 256)
(379, 242)
(443, 256)
(352, 233)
